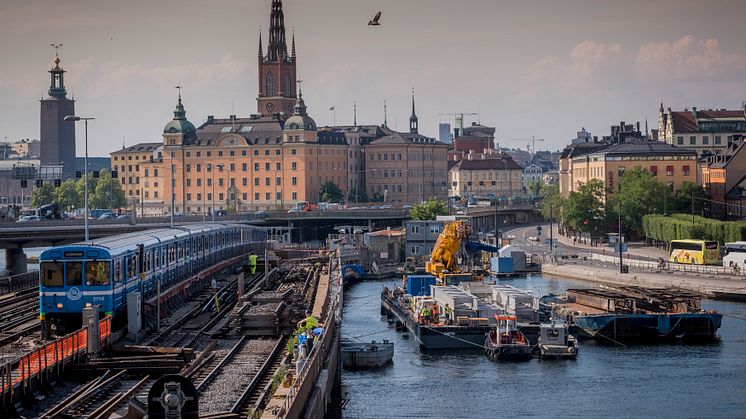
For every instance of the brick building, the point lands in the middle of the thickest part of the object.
(708, 131)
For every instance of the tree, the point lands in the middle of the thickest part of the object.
(683, 198)
(330, 192)
(428, 210)
(535, 186)
(640, 194)
(584, 210)
(358, 195)
(551, 199)
(67, 196)
(107, 192)
(43, 195)
(377, 197)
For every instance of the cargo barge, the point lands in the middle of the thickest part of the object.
(640, 314)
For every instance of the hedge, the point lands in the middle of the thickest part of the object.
(679, 226)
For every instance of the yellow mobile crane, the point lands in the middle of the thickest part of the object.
(443, 263)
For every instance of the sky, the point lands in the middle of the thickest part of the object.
(541, 68)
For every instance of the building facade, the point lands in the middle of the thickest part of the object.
(421, 237)
(708, 131)
(671, 165)
(485, 173)
(722, 179)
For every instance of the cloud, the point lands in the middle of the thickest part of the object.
(586, 61)
(685, 58)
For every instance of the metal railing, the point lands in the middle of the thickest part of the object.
(17, 376)
(19, 282)
(669, 266)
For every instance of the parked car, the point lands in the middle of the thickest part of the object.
(221, 212)
(122, 217)
(29, 219)
(107, 216)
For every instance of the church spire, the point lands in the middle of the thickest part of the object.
(277, 45)
(261, 53)
(292, 53)
(179, 112)
(354, 113)
(413, 118)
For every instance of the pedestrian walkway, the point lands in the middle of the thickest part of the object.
(633, 249)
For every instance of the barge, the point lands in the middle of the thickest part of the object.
(640, 314)
(367, 355)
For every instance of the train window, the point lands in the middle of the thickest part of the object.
(171, 253)
(117, 270)
(132, 266)
(51, 274)
(74, 273)
(97, 273)
(180, 250)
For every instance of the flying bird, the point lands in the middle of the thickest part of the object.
(374, 22)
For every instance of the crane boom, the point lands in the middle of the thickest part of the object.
(447, 248)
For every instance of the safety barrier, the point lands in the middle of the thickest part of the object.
(18, 376)
(671, 267)
(19, 282)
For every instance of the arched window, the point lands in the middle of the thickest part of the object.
(288, 86)
(270, 84)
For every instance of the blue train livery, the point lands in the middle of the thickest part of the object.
(102, 272)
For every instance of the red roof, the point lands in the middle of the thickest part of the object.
(684, 121)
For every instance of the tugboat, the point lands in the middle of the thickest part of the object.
(505, 342)
(555, 340)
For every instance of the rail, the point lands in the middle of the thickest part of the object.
(670, 267)
(19, 282)
(51, 358)
(261, 374)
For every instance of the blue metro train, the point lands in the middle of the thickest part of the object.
(102, 272)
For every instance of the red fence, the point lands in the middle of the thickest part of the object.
(50, 359)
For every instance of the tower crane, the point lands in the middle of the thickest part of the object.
(531, 143)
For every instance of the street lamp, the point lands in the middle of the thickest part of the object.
(73, 118)
(204, 192)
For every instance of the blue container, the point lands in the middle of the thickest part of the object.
(501, 265)
(418, 285)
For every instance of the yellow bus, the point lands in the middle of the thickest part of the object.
(695, 252)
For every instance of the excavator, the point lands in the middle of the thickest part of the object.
(450, 252)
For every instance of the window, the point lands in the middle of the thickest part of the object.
(266, 182)
(278, 196)
(266, 152)
(198, 167)
(146, 172)
(277, 152)
(209, 182)
(220, 181)
(685, 170)
(692, 140)
(270, 87)
(243, 152)
(292, 151)
(278, 181)
(435, 229)
(705, 140)
(266, 196)
(199, 182)
(188, 167)
(256, 182)
(256, 167)
(52, 274)
(189, 197)
(718, 140)
(414, 229)
(209, 153)
(97, 273)
(294, 181)
(189, 182)
(293, 166)
(221, 196)
(244, 167)
(654, 170)
(233, 167)
(245, 196)
(295, 196)
(155, 172)
(245, 182)
(232, 153)
(669, 170)
(199, 197)
(278, 166)
(415, 250)
(256, 196)
(209, 196)
(266, 166)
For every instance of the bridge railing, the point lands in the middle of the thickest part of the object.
(17, 376)
(19, 282)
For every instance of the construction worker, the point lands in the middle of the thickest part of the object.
(252, 263)
(448, 311)
(425, 314)
(436, 313)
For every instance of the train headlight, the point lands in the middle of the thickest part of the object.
(59, 306)
(88, 305)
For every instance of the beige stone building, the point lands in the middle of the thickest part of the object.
(483, 173)
(707, 131)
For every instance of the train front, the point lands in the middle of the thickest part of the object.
(71, 278)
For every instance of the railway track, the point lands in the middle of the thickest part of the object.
(101, 397)
(19, 315)
(255, 395)
(244, 365)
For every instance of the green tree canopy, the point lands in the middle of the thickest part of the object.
(428, 210)
(43, 195)
(67, 196)
(640, 193)
(534, 187)
(584, 210)
(683, 198)
(552, 202)
(330, 192)
(106, 192)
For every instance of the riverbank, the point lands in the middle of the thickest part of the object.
(703, 283)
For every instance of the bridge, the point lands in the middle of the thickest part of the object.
(304, 226)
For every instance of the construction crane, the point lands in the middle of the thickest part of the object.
(450, 253)
(530, 143)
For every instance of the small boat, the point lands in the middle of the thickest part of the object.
(366, 355)
(555, 340)
(505, 342)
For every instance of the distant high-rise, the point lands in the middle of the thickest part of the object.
(444, 133)
(57, 136)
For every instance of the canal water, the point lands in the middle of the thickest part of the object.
(661, 381)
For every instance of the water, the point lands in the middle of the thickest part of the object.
(707, 380)
(31, 251)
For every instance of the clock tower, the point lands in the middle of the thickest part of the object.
(57, 136)
(277, 76)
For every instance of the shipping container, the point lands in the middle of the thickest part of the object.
(501, 265)
(419, 285)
